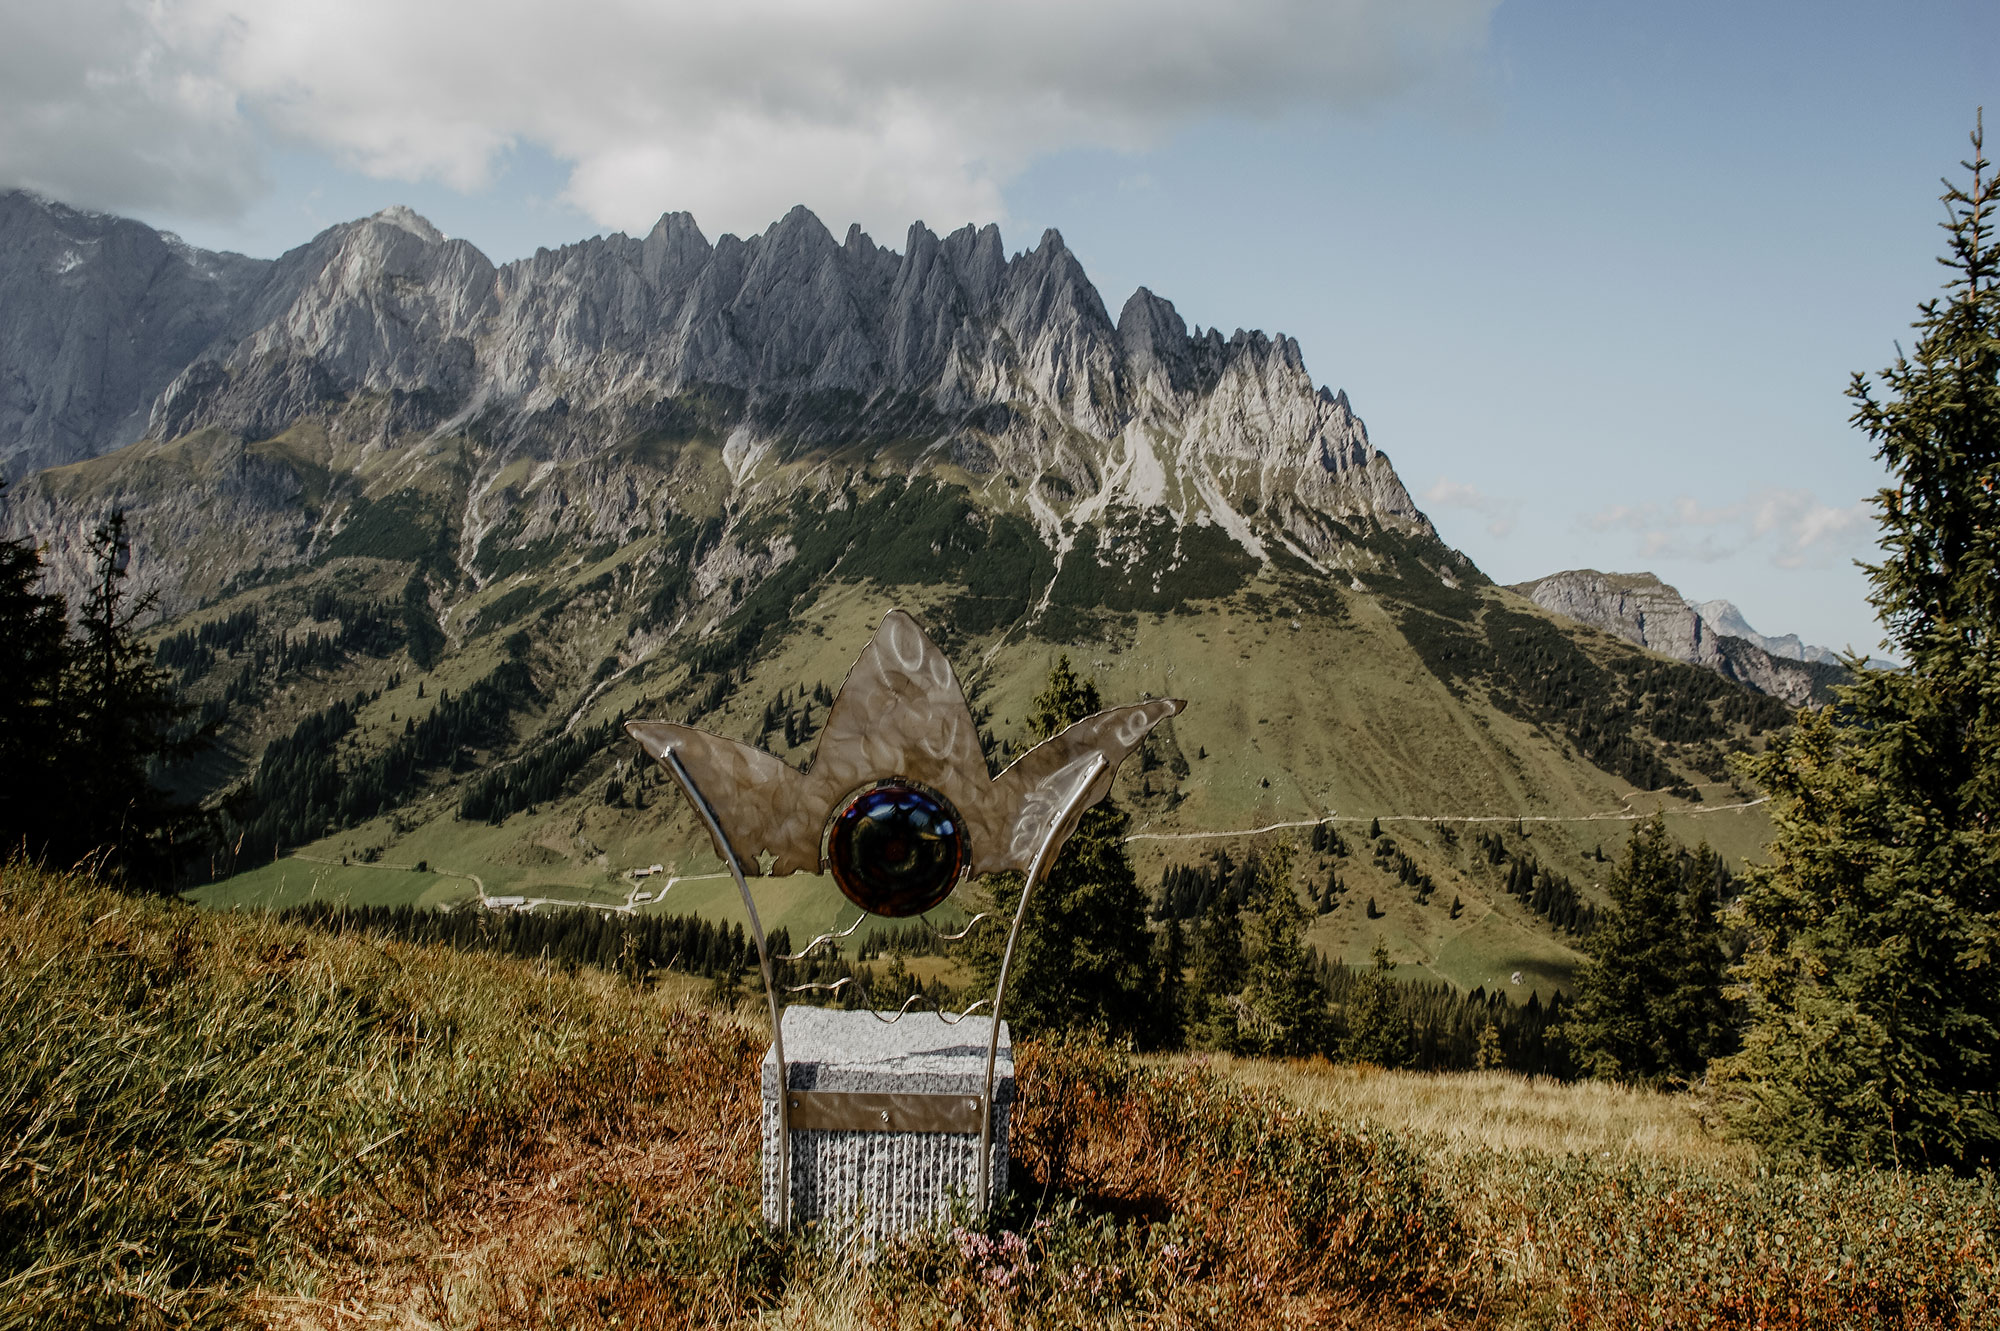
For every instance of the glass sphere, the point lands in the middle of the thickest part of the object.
(896, 849)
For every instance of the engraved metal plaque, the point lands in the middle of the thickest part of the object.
(864, 1111)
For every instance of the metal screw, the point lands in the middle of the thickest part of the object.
(885, 1116)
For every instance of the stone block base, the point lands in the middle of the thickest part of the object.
(885, 1135)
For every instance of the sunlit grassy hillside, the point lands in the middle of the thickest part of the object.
(1306, 703)
(218, 1119)
(1495, 1111)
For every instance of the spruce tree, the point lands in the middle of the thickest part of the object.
(1649, 1006)
(1489, 1053)
(1084, 958)
(1873, 981)
(84, 720)
(1170, 962)
(122, 711)
(1377, 1020)
(1711, 1021)
(33, 727)
(1286, 1004)
(1218, 977)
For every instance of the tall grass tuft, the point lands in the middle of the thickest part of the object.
(200, 1113)
(172, 1090)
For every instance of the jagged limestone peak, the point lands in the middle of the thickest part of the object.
(409, 219)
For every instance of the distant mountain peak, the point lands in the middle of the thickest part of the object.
(1641, 609)
(410, 220)
(1728, 619)
(98, 315)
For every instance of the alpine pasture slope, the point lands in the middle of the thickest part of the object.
(425, 529)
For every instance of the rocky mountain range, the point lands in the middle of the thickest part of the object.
(785, 342)
(1729, 621)
(1641, 609)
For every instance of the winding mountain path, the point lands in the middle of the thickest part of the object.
(1623, 816)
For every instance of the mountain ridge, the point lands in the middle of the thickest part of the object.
(999, 364)
(1642, 609)
(1728, 619)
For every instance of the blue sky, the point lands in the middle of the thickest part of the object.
(1594, 274)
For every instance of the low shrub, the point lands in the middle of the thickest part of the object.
(1177, 1196)
(1591, 1243)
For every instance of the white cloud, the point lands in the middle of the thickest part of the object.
(1793, 525)
(1500, 513)
(102, 106)
(876, 110)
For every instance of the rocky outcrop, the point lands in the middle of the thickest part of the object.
(1637, 607)
(1728, 620)
(97, 316)
(1641, 609)
(1797, 682)
(1013, 364)
(384, 306)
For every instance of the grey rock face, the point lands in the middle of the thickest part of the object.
(1637, 607)
(97, 316)
(1727, 619)
(384, 305)
(1019, 351)
(1797, 682)
(1641, 609)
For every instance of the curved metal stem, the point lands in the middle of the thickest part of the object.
(958, 937)
(1068, 810)
(834, 937)
(707, 812)
(868, 1001)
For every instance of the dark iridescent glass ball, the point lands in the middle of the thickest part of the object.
(896, 849)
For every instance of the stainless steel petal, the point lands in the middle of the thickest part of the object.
(758, 798)
(1015, 811)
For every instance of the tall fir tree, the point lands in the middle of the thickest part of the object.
(85, 719)
(1285, 1003)
(1873, 982)
(1711, 1018)
(34, 729)
(1084, 958)
(1213, 1019)
(1649, 1005)
(1170, 995)
(122, 712)
(1377, 1020)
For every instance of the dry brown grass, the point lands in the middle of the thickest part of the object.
(229, 1122)
(1499, 1111)
(613, 1191)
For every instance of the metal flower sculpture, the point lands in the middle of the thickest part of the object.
(897, 805)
